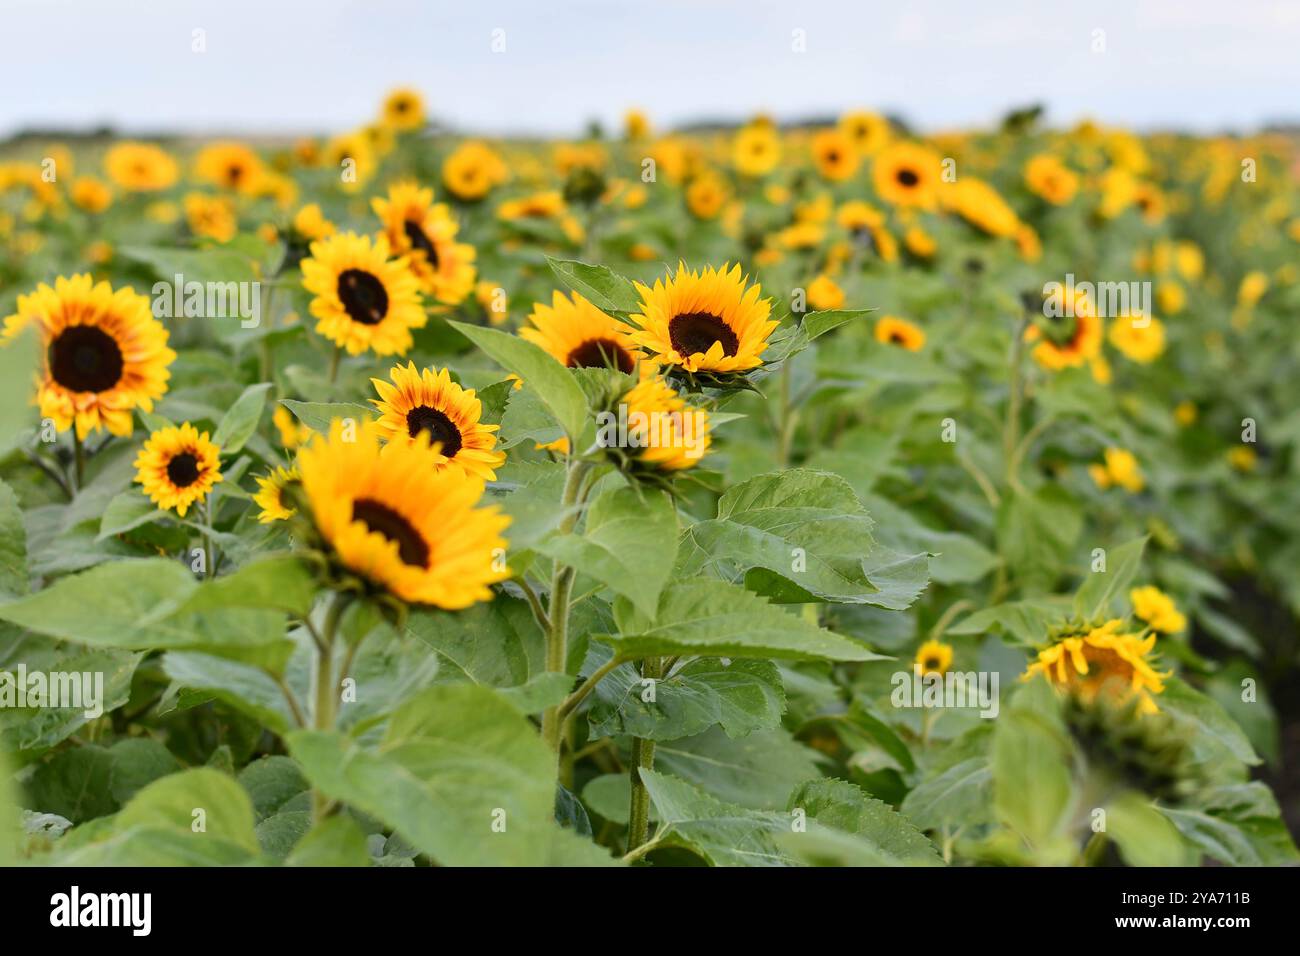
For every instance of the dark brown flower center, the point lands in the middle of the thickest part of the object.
(183, 469)
(930, 664)
(601, 353)
(235, 173)
(85, 359)
(907, 177)
(363, 296)
(420, 241)
(693, 332)
(441, 429)
(411, 548)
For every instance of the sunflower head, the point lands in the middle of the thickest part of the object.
(363, 298)
(834, 154)
(141, 167)
(425, 233)
(907, 174)
(272, 495)
(472, 170)
(869, 132)
(395, 524)
(711, 321)
(428, 405)
(403, 109)
(756, 150)
(231, 166)
(178, 466)
(663, 433)
(1068, 333)
(933, 657)
(891, 330)
(1101, 660)
(1141, 340)
(578, 335)
(105, 353)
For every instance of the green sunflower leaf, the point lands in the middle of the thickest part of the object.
(240, 422)
(601, 286)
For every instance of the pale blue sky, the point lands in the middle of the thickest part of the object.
(322, 65)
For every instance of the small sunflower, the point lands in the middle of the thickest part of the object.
(706, 195)
(1069, 334)
(231, 166)
(429, 403)
(869, 132)
(891, 330)
(403, 109)
(425, 232)
(834, 155)
(1050, 179)
(980, 205)
(141, 167)
(1142, 341)
(178, 466)
(907, 174)
(1102, 660)
(756, 150)
(91, 195)
(706, 321)
(105, 353)
(825, 293)
(211, 216)
(410, 529)
(543, 205)
(671, 435)
(363, 299)
(1157, 609)
(270, 495)
(1119, 467)
(310, 223)
(933, 657)
(578, 335)
(472, 170)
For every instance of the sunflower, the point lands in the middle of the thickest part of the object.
(231, 166)
(270, 495)
(756, 150)
(310, 223)
(869, 132)
(919, 243)
(292, 432)
(705, 321)
(636, 125)
(933, 657)
(906, 174)
(178, 466)
(430, 403)
(1157, 609)
(140, 167)
(425, 232)
(1069, 334)
(706, 195)
(91, 195)
(544, 205)
(363, 299)
(472, 170)
(824, 293)
(891, 330)
(411, 529)
(1050, 179)
(353, 159)
(1143, 342)
(403, 109)
(105, 353)
(668, 434)
(980, 205)
(1118, 467)
(834, 155)
(1102, 660)
(211, 216)
(579, 335)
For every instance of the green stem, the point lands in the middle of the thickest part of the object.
(643, 758)
(79, 456)
(325, 691)
(1011, 432)
(334, 365)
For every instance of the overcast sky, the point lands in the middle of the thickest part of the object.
(323, 65)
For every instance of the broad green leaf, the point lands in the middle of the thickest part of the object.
(960, 796)
(740, 696)
(175, 802)
(758, 770)
(795, 336)
(628, 543)
(278, 582)
(714, 618)
(1031, 775)
(1099, 590)
(19, 358)
(722, 834)
(318, 415)
(243, 686)
(77, 784)
(240, 422)
(799, 536)
(1144, 835)
(335, 841)
(886, 832)
(552, 382)
(1027, 621)
(138, 762)
(13, 544)
(1238, 835)
(1204, 720)
(273, 784)
(599, 285)
(497, 643)
(1036, 534)
(128, 511)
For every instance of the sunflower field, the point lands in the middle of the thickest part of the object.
(756, 495)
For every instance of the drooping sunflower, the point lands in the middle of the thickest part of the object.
(668, 433)
(413, 530)
(980, 205)
(1069, 333)
(105, 353)
(907, 174)
(891, 330)
(429, 403)
(834, 155)
(403, 109)
(178, 466)
(231, 166)
(1142, 340)
(140, 167)
(270, 495)
(363, 298)
(577, 334)
(1100, 660)
(425, 232)
(933, 657)
(708, 321)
